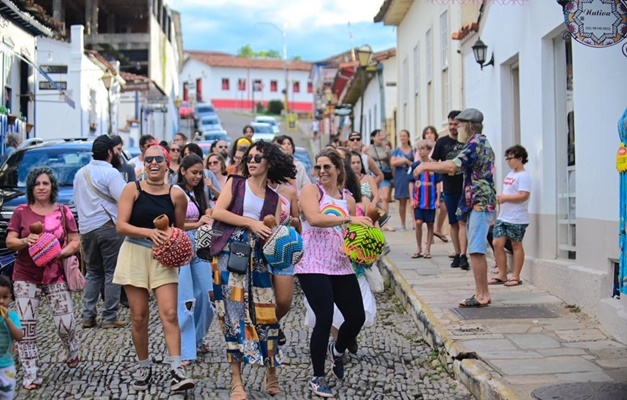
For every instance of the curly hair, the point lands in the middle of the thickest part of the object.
(280, 165)
(337, 161)
(32, 178)
(199, 190)
(518, 151)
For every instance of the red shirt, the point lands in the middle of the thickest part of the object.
(25, 269)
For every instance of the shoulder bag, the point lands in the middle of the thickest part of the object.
(71, 266)
(387, 173)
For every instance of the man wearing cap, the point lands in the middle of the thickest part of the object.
(97, 190)
(354, 143)
(476, 161)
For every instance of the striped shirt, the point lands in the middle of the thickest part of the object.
(425, 191)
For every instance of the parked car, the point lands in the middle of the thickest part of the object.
(205, 110)
(303, 156)
(268, 120)
(65, 159)
(262, 131)
(210, 123)
(185, 111)
(212, 136)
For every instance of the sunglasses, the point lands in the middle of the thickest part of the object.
(222, 147)
(257, 158)
(326, 167)
(150, 159)
(354, 139)
(213, 163)
(176, 150)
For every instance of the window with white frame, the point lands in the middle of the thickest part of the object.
(417, 68)
(444, 40)
(405, 87)
(429, 56)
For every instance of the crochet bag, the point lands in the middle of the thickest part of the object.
(177, 250)
(46, 248)
(283, 248)
(363, 245)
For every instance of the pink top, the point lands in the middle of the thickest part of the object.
(324, 247)
(25, 269)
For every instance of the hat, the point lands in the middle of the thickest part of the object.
(102, 145)
(470, 115)
(350, 135)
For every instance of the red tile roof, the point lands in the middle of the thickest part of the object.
(465, 31)
(216, 59)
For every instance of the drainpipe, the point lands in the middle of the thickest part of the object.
(381, 93)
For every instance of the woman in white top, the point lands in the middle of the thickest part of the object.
(513, 218)
(216, 164)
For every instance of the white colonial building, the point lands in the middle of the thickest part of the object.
(429, 67)
(239, 83)
(562, 101)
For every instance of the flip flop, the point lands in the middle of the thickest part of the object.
(427, 255)
(417, 255)
(496, 281)
(441, 237)
(471, 302)
(513, 282)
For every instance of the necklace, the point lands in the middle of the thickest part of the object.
(155, 184)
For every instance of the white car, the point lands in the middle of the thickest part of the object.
(263, 132)
(268, 120)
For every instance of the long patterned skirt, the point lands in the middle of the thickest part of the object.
(245, 307)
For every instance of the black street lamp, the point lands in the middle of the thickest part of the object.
(107, 80)
(364, 55)
(480, 50)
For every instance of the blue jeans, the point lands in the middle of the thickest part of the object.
(195, 283)
(477, 227)
(101, 247)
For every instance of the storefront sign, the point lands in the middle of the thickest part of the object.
(596, 23)
(54, 69)
(47, 85)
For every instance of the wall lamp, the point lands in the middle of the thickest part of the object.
(480, 50)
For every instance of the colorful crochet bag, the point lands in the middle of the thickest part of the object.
(46, 248)
(283, 248)
(363, 245)
(177, 250)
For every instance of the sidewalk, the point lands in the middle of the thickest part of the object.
(540, 341)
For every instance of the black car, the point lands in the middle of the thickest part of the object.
(64, 158)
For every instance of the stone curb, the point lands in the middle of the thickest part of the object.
(481, 380)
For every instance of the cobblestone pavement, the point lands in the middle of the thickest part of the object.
(393, 362)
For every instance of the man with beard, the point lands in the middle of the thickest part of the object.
(476, 161)
(97, 190)
(126, 170)
(447, 148)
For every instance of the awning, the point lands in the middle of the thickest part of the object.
(7, 49)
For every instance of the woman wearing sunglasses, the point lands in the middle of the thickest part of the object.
(325, 272)
(216, 164)
(137, 270)
(245, 301)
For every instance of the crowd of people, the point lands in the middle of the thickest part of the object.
(231, 192)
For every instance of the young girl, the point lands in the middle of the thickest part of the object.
(10, 330)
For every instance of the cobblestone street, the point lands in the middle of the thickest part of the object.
(392, 362)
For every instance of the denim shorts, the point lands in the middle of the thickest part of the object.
(385, 183)
(451, 200)
(477, 227)
(421, 214)
(514, 232)
(289, 271)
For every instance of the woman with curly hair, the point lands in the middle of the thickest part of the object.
(325, 273)
(31, 281)
(244, 298)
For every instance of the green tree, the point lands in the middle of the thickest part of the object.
(297, 58)
(273, 54)
(246, 52)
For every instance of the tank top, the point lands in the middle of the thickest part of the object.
(252, 204)
(380, 155)
(148, 206)
(366, 190)
(286, 206)
(324, 247)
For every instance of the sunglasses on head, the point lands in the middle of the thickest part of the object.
(150, 159)
(326, 167)
(257, 158)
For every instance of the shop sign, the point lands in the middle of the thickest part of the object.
(47, 85)
(596, 23)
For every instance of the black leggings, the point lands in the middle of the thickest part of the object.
(322, 291)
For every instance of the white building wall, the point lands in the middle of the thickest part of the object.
(424, 104)
(599, 87)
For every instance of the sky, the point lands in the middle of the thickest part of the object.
(316, 29)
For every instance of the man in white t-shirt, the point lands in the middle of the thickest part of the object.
(513, 218)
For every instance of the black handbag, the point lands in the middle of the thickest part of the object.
(239, 257)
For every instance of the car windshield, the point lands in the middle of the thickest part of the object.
(205, 109)
(267, 121)
(262, 129)
(63, 161)
(210, 121)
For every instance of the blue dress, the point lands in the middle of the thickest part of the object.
(401, 179)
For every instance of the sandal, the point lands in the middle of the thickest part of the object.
(513, 282)
(32, 386)
(417, 255)
(427, 255)
(271, 384)
(496, 281)
(72, 363)
(238, 392)
(441, 236)
(472, 302)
